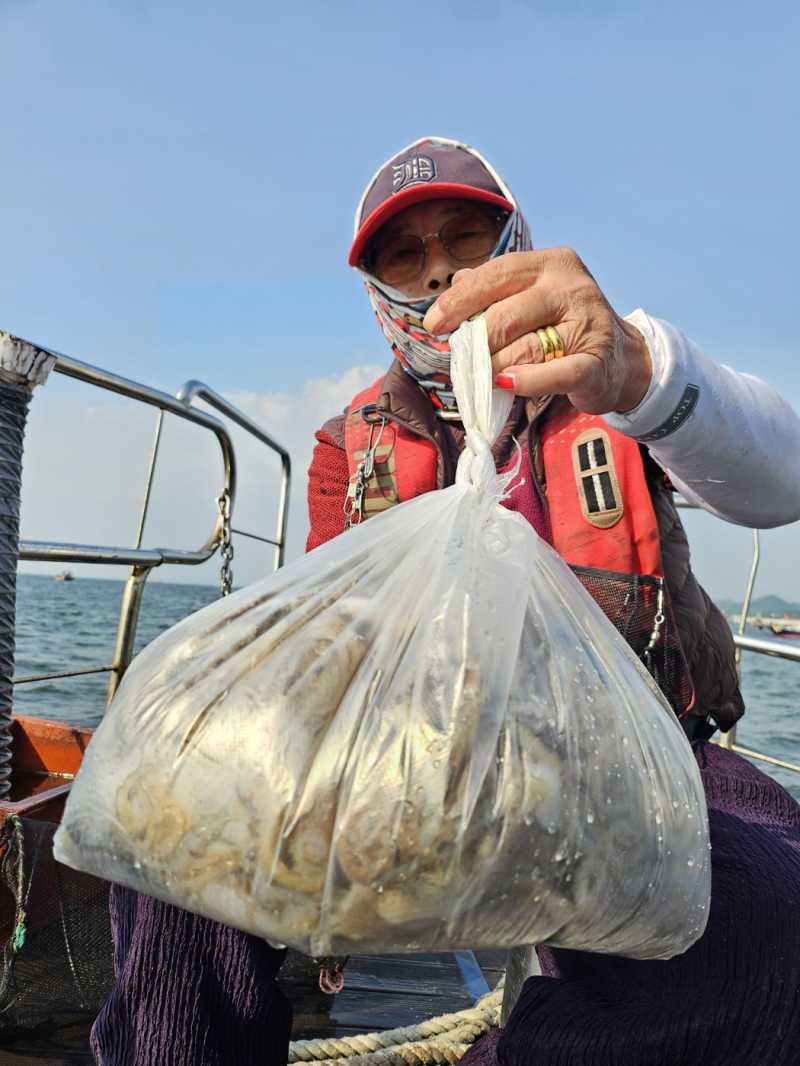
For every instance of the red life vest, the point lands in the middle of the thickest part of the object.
(602, 516)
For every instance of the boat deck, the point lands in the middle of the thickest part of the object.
(380, 992)
(385, 992)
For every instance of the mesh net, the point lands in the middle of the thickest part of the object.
(58, 964)
(631, 603)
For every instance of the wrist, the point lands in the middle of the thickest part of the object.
(637, 368)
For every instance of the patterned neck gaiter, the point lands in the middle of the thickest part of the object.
(424, 356)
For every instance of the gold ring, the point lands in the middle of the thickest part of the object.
(555, 337)
(547, 345)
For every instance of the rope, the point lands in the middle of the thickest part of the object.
(439, 1040)
(13, 412)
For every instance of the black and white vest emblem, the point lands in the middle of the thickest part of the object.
(596, 477)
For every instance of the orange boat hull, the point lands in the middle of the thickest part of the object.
(45, 756)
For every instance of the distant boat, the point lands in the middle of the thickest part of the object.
(65, 575)
(784, 627)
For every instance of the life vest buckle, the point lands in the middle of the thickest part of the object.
(369, 412)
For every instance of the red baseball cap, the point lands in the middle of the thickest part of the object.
(430, 169)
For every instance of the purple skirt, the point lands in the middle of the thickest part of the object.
(189, 992)
(733, 998)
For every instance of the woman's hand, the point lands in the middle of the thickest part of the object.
(606, 365)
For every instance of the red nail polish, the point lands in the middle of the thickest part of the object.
(506, 381)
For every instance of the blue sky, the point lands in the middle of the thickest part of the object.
(179, 180)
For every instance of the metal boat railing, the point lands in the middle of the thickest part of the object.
(143, 560)
(754, 644)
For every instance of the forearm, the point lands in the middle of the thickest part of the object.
(728, 441)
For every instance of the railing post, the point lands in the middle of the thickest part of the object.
(22, 366)
(728, 740)
(126, 634)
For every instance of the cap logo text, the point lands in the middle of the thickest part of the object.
(416, 171)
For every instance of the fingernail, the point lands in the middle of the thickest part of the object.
(506, 381)
(433, 320)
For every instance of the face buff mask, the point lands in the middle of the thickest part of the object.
(424, 356)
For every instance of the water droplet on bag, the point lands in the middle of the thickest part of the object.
(690, 862)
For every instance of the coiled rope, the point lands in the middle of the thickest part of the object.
(442, 1039)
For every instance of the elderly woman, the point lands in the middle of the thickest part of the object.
(612, 413)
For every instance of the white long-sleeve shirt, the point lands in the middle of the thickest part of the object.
(728, 441)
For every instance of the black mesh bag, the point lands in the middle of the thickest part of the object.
(58, 956)
(633, 603)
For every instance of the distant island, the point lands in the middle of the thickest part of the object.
(770, 606)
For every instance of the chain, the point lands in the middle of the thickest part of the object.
(225, 544)
(354, 501)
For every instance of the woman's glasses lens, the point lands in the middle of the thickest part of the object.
(470, 235)
(397, 259)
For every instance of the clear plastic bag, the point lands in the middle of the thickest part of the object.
(423, 735)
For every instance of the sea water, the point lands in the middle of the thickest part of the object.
(67, 625)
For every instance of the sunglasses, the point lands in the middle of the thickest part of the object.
(471, 235)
